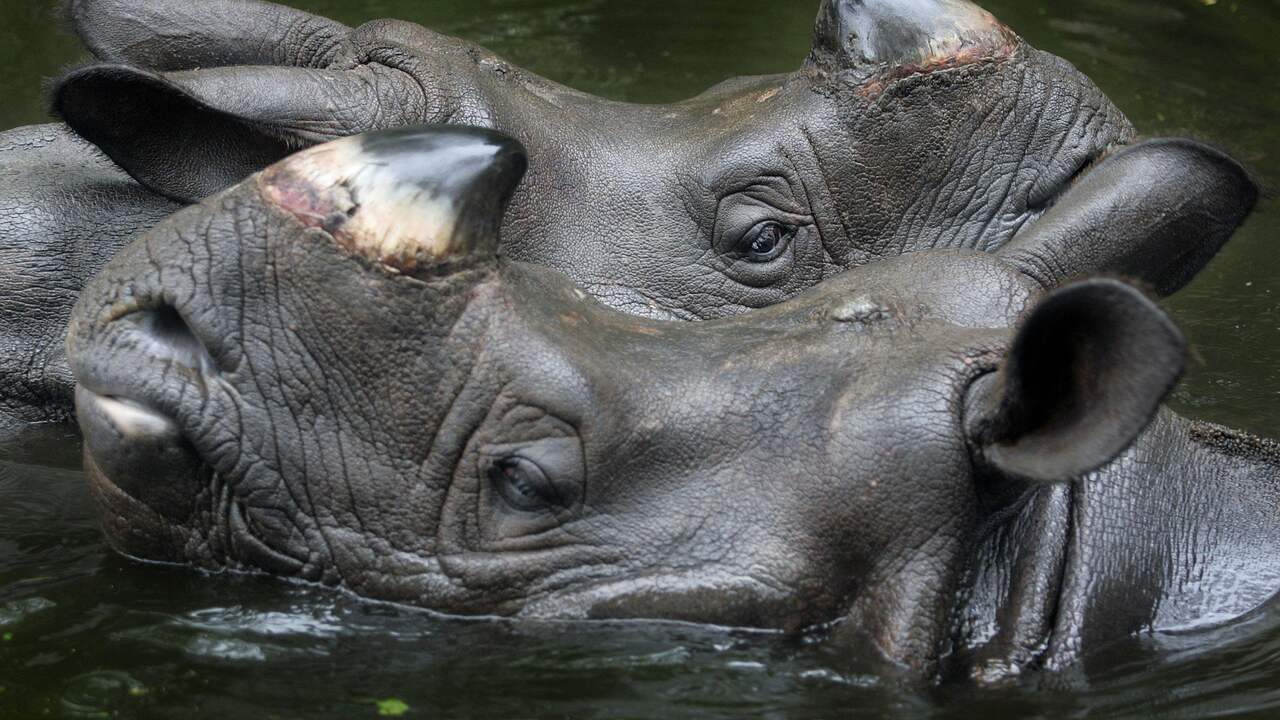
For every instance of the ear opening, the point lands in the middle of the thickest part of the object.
(1085, 375)
(163, 135)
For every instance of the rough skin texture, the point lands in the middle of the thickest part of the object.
(64, 211)
(651, 208)
(485, 438)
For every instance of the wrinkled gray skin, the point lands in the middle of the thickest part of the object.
(281, 379)
(914, 124)
(940, 128)
(64, 211)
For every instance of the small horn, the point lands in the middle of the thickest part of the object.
(411, 199)
(876, 34)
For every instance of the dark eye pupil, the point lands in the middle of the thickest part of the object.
(519, 482)
(767, 240)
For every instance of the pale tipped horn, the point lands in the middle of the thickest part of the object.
(411, 199)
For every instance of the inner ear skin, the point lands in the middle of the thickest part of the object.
(1086, 372)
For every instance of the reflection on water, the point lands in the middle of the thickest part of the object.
(84, 634)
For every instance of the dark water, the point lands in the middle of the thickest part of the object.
(86, 635)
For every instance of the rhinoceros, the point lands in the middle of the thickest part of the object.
(913, 124)
(329, 372)
(64, 212)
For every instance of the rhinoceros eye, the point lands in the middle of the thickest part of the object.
(534, 485)
(766, 241)
(523, 485)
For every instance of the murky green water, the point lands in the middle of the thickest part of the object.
(86, 635)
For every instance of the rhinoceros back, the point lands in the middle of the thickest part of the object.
(65, 210)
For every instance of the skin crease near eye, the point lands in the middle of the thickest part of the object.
(761, 234)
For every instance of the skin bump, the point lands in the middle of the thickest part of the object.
(861, 309)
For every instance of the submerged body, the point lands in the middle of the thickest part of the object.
(278, 380)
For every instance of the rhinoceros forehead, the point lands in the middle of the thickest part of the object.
(964, 288)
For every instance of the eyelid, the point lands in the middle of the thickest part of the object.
(550, 489)
(790, 210)
(559, 459)
(739, 215)
(770, 209)
(777, 192)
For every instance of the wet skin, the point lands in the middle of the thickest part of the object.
(939, 128)
(912, 125)
(280, 380)
(65, 210)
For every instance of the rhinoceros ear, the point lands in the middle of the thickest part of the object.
(874, 35)
(1158, 211)
(421, 201)
(187, 135)
(184, 35)
(1085, 375)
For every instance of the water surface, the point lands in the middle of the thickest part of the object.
(84, 634)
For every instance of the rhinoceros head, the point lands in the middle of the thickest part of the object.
(913, 124)
(327, 372)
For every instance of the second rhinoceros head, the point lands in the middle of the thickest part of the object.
(913, 124)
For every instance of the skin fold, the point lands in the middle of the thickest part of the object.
(912, 125)
(957, 471)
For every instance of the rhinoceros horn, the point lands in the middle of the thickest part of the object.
(424, 200)
(875, 35)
